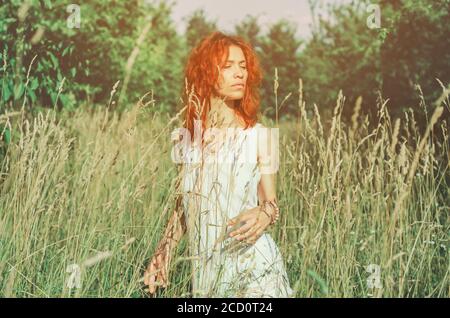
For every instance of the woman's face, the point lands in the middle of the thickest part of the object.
(233, 76)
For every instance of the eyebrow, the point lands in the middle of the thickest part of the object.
(231, 61)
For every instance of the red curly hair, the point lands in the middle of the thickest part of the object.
(202, 73)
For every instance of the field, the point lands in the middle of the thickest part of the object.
(85, 195)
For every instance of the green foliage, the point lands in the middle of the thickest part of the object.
(32, 65)
(45, 62)
(343, 54)
(410, 48)
(90, 59)
(198, 27)
(250, 30)
(416, 50)
(279, 50)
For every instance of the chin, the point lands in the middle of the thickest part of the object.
(235, 96)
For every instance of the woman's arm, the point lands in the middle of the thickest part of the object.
(267, 188)
(158, 267)
(268, 164)
(176, 227)
(259, 218)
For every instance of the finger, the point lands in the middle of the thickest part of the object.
(252, 239)
(251, 234)
(164, 280)
(153, 276)
(248, 233)
(161, 268)
(232, 221)
(163, 276)
(151, 285)
(148, 272)
(150, 291)
(166, 264)
(155, 281)
(158, 281)
(167, 258)
(166, 275)
(145, 277)
(241, 217)
(243, 228)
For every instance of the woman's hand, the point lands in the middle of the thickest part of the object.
(255, 223)
(156, 273)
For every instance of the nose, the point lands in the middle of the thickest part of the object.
(238, 72)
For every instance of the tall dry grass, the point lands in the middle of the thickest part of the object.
(94, 189)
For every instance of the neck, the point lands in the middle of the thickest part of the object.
(222, 113)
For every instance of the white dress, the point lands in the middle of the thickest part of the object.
(218, 185)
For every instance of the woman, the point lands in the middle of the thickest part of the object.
(228, 180)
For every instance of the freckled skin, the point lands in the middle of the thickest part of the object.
(234, 71)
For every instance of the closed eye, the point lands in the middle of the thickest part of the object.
(242, 66)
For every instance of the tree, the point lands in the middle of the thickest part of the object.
(249, 30)
(91, 58)
(198, 27)
(416, 51)
(411, 47)
(344, 54)
(279, 50)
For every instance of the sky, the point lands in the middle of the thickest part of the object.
(230, 12)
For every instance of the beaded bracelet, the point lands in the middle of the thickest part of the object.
(273, 203)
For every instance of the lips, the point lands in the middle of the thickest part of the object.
(238, 85)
